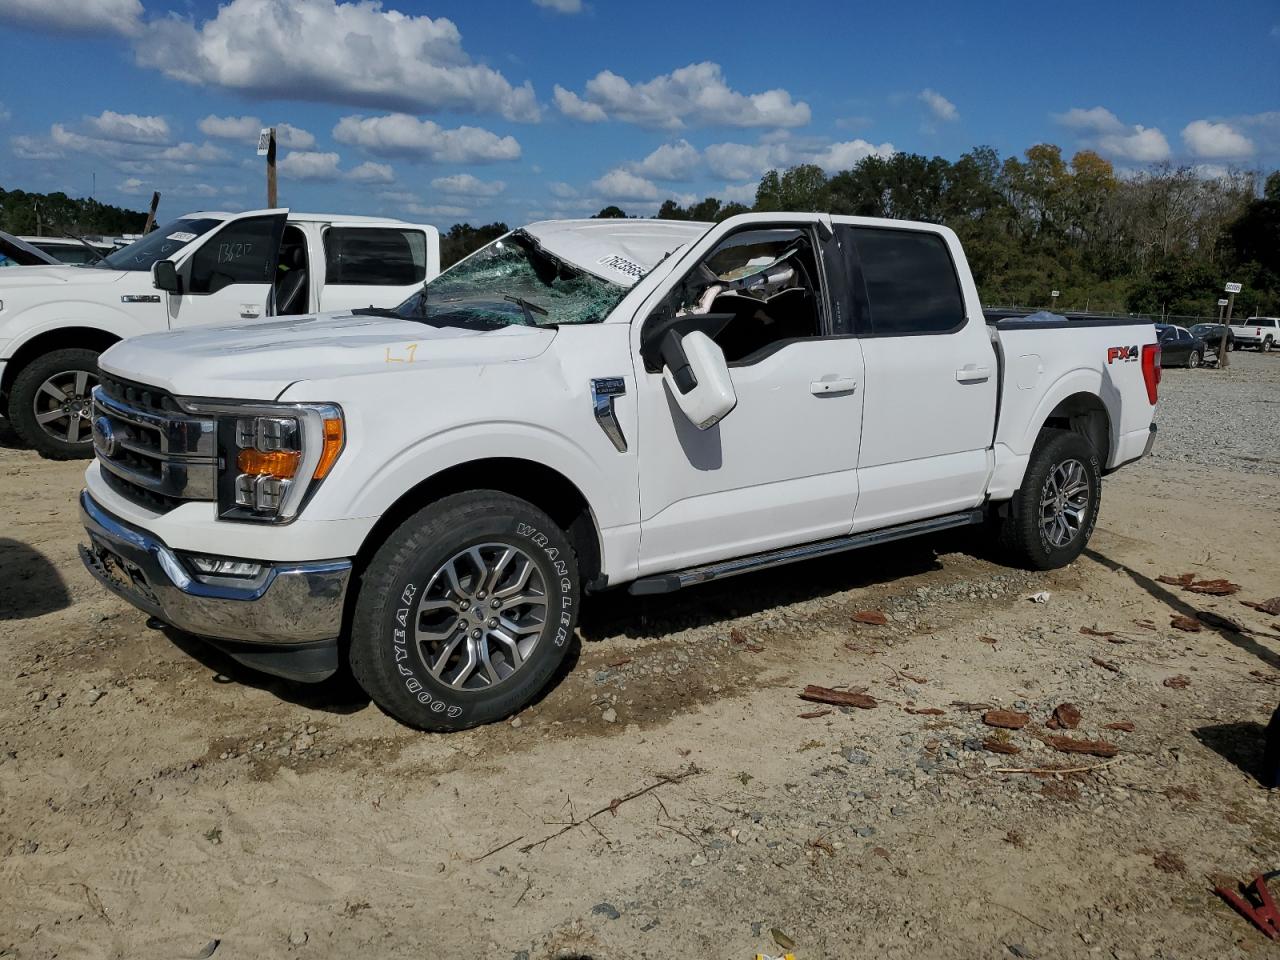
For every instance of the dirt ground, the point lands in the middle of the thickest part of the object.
(156, 800)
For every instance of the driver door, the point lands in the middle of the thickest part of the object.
(781, 467)
(229, 277)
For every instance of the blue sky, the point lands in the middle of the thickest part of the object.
(524, 109)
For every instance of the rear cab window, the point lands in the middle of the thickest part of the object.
(375, 256)
(910, 280)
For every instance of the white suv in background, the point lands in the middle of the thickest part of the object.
(203, 268)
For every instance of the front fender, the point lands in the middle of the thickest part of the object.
(27, 324)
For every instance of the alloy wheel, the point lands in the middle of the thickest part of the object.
(1064, 502)
(63, 406)
(481, 616)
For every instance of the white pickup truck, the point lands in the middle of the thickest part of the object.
(1260, 332)
(424, 494)
(200, 269)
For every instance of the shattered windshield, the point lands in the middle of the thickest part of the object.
(513, 281)
(160, 244)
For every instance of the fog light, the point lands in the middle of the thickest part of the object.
(224, 567)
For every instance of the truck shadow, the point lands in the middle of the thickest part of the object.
(618, 612)
(1240, 639)
(1241, 744)
(338, 695)
(30, 585)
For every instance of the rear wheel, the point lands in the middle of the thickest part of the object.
(1053, 513)
(51, 403)
(1266, 345)
(1195, 359)
(466, 612)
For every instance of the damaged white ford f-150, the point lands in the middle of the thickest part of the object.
(424, 494)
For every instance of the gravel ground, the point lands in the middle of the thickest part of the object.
(1246, 398)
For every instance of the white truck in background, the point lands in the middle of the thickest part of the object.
(424, 494)
(1260, 332)
(203, 268)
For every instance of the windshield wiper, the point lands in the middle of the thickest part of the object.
(377, 312)
(88, 246)
(529, 308)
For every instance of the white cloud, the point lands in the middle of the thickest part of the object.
(370, 172)
(75, 16)
(941, 108)
(1215, 140)
(129, 127)
(5, 114)
(740, 192)
(620, 184)
(131, 185)
(741, 161)
(398, 196)
(438, 210)
(128, 155)
(466, 185)
(402, 135)
(1105, 132)
(1143, 145)
(246, 129)
(671, 161)
(230, 128)
(562, 190)
(1095, 119)
(574, 107)
(560, 6)
(33, 148)
(696, 94)
(331, 52)
(309, 165)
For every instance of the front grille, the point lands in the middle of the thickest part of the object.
(151, 452)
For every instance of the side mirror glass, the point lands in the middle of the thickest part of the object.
(164, 276)
(697, 376)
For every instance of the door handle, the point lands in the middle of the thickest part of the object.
(972, 373)
(832, 384)
(250, 311)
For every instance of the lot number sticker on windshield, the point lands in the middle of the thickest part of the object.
(627, 268)
(181, 237)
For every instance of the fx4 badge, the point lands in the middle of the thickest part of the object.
(1123, 354)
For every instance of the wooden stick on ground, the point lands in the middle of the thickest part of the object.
(1096, 766)
(611, 807)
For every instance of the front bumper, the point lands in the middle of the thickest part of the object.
(284, 621)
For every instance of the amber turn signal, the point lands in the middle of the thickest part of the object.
(278, 463)
(334, 439)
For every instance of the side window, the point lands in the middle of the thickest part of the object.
(244, 251)
(375, 256)
(910, 281)
(758, 288)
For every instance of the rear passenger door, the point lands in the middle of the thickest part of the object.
(375, 266)
(931, 377)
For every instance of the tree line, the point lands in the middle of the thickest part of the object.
(1164, 240)
(56, 214)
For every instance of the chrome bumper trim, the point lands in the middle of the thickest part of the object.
(288, 603)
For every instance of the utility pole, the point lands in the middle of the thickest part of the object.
(267, 148)
(151, 214)
(1232, 290)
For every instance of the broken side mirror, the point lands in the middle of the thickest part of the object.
(164, 276)
(697, 376)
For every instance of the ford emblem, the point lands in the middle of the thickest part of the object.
(104, 437)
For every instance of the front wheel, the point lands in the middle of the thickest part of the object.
(465, 612)
(51, 404)
(1053, 513)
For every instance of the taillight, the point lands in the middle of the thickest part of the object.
(1151, 370)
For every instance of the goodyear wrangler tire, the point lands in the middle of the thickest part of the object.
(465, 612)
(1056, 508)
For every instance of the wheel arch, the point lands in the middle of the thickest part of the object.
(545, 487)
(1083, 413)
(59, 338)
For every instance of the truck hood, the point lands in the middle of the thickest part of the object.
(61, 275)
(258, 361)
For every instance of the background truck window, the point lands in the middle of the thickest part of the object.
(911, 282)
(375, 256)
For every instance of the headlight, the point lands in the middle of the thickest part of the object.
(272, 457)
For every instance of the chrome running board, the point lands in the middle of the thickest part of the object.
(676, 580)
